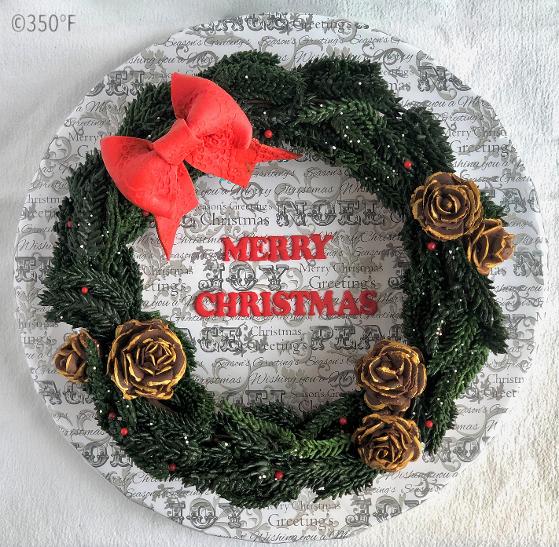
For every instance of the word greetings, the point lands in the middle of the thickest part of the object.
(281, 302)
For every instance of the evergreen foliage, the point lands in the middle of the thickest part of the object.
(343, 110)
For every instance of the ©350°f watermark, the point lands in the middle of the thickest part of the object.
(43, 22)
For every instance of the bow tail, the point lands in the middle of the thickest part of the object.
(166, 231)
(243, 161)
(167, 226)
(236, 164)
(263, 152)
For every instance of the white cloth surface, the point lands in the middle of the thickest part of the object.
(506, 50)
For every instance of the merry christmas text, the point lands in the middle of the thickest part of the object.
(281, 302)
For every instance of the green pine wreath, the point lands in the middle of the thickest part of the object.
(342, 110)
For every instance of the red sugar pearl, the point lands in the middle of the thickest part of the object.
(408, 165)
(172, 467)
(69, 223)
(84, 290)
(342, 420)
(431, 246)
(145, 213)
(111, 416)
(124, 431)
(268, 133)
(278, 475)
(429, 424)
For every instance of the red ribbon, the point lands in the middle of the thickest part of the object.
(211, 133)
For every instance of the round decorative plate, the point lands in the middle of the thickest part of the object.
(302, 362)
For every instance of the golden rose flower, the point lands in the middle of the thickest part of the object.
(386, 442)
(146, 359)
(70, 358)
(391, 374)
(447, 206)
(489, 245)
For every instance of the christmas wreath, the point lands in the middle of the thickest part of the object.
(137, 366)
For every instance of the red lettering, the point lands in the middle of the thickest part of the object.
(299, 247)
(319, 244)
(367, 300)
(321, 304)
(348, 303)
(249, 303)
(257, 248)
(226, 301)
(278, 248)
(281, 303)
(236, 252)
(266, 303)
(300, 297)
(273, 248)
(201, 310)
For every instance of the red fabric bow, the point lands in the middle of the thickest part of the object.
(212, 133)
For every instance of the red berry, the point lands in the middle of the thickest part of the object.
(408, 165)
(278, 475)
(343, 420)
(69, 223)
(268, 133)
(172, 467)
(124, 431)
(84, 290)
(429, 424)
(111, 416)
(431, 246)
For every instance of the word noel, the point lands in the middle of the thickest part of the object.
(246, 303)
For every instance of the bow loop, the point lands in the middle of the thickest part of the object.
(209, 110)
(211, 133)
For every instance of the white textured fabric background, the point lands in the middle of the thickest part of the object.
(506, 50)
